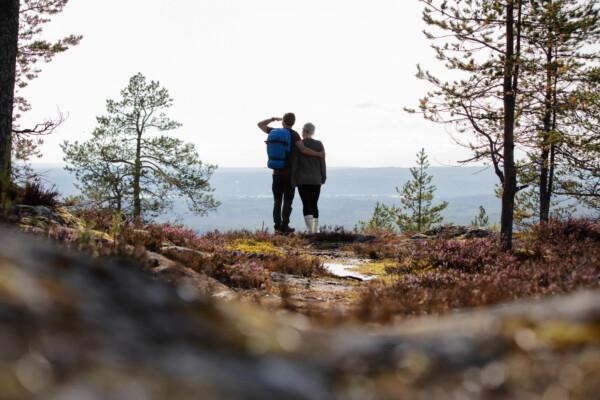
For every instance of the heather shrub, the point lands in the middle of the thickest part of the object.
(465, 255)
(62, 234)
(234, 271)
(575, 229)
(97, 218)
(381, 248)
(334, 235)
(245, 275)
(151, 237)
(295, 264)
(438, 276)
(179, 235)
(283, 241)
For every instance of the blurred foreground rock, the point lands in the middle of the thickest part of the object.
(73, 327)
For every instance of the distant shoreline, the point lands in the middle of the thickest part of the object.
(237, 169)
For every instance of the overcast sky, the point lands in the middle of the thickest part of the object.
(348, 66)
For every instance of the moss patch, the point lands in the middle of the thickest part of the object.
(376, 268)
(250, 246)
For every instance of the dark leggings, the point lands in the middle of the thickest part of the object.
(310, 199)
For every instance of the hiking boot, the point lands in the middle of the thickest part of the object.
(277, 228)
(286, 230)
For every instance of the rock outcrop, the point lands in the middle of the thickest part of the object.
(75, 327)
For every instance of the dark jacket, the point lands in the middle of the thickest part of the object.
(307, 170)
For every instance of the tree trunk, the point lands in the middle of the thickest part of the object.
(546, 143)
(510, 86)
(9, 37)
(137, 201)
(547, 162)
(420, 204)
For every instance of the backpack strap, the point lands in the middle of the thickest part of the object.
(289, 143)
(277, 141)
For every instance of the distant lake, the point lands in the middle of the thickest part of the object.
(349, 195)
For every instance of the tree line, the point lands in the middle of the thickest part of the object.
(525, 99)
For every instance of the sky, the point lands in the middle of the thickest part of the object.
(348, 66)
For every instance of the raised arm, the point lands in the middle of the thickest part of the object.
(264, 125)
(308, 152)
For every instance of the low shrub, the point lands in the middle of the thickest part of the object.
(35, 194)
(575, 229)
(96, 218)
(384, 246)
(62, 234)
(334, 235)
(179, 235)
(437, 276)
(465, 255)
(302, 265)
(238, 272)
(150, 237)
(245, 275)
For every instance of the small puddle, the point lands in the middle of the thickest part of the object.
(345, 270)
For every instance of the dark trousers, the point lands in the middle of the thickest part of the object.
(283, 196)
(310, 199)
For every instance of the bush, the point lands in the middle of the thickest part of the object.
(179, 235)
(465, 255)
(96, 218)
(575, 229)
(301, 265)
(245, 275)
(234, 271)
(439, 275)
(334, 235)
(34, 194)
(150, 237)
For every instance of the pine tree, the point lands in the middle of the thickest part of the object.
(34, 50)
(416, 196)
(581, 177)
(559, 39)
(129, 168)
(482, 219)
(384, 218)
(481, 42)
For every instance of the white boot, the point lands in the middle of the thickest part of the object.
(308, 220)
(315, 225)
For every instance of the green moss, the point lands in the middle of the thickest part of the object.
(250, 246)
(68, 219)
(376, 268)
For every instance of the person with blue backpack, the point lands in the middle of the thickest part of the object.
(282, 146)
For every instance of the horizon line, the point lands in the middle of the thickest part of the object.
(58, 164)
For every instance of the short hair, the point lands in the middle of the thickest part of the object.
(309, 128)
(289, 119)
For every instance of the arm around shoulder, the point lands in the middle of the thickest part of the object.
(308, 152)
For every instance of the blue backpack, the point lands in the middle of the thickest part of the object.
(279, 148)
